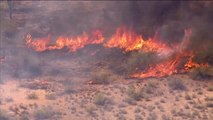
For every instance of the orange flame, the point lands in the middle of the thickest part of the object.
(39, 44)
(72, 44)
(129, 41)
(190, 64)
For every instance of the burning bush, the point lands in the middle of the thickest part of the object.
(139, 61)
(203, 72)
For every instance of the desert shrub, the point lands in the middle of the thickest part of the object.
(152, 116)
(151, 87)
(90, 110)
(176, 84)
(210, 88)
(138, 117)
(135, 94)
(204, 72)
(139, 61)
(209, 98)
(24, 117)
(46, 112)
(209, 104)
(51, 96)
(9, 99)
(68, 89)
(188, 97)
(165, 117)
(32, 96)
(102, 76)
(101, 99)
(3, 115)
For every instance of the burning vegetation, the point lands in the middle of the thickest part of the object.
(127, 40)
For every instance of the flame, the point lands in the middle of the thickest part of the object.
(39, 44)
(72, 43)
(191, 64)
(126, 40)
(129, 41)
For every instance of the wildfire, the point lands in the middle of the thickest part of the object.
(128, 41)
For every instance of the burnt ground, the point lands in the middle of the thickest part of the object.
(58, 85)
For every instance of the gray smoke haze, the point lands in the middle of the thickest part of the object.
(41, 18)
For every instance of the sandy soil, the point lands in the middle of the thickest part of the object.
(80, 102)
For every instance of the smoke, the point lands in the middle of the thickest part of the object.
(40, 18)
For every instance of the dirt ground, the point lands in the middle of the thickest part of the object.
(62, 100)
